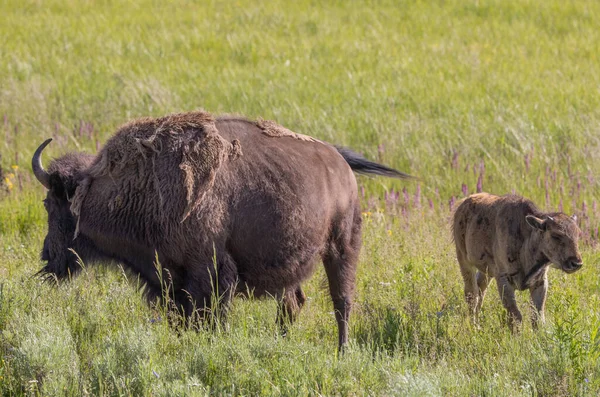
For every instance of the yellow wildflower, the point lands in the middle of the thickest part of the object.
(389, 232)
(8, 183)
(15, 167)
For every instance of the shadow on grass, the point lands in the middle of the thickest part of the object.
(408, 331)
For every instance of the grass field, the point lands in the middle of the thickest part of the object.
(504, 95)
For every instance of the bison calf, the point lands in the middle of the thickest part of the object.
(509, 239)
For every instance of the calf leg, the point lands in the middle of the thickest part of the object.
(507, 295)
(340, 259)
(289, 308)
(483, 280)
(468, 273)
(538, 297)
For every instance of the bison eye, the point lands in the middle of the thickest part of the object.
(556, 237)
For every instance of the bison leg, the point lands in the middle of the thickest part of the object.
(289, 308)
(210, 291)
(538, 297)
(507, 295)
(340, 259)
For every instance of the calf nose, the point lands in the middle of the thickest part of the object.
(572, 264)
(576, 265)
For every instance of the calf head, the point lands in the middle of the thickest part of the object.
(559, 235)
(61, 180)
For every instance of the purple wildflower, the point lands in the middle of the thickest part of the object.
(480, 183)
(451, 203)
(465, 190)
(90, 129)
(418, 196)
(455, 160)
(560, 205)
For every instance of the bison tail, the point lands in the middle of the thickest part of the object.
(361, 165)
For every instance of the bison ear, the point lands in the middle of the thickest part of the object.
(57, 185)
(535, 222)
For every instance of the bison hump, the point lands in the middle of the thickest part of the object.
(183, 151)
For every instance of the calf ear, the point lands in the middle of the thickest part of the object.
(535, 222)
(574, 217)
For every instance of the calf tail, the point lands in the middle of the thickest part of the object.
(361, 165)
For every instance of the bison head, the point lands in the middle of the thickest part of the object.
(61, 180)
(558, 240)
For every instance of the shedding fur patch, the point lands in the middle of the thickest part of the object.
(275, 130)
(189, 139)
(77, 200)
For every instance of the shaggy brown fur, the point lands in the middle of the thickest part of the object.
(509, 239)
(179, 187)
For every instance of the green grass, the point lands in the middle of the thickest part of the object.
(450, 91)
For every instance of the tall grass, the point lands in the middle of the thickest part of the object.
(477, 95)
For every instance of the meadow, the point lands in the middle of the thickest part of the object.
(466, 95)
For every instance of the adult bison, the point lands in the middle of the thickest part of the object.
(225, 204)
(510, 239)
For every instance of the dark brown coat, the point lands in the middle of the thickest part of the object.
(509, 239)
(224, 204)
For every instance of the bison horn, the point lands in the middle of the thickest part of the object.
(36, 164)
